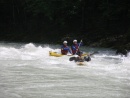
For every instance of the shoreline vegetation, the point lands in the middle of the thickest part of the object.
(111, 42)
(99, 23)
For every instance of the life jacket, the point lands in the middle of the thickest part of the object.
(76, 47)
(64, 52)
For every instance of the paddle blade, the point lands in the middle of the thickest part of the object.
(71, 58)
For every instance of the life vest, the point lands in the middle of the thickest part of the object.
(76, 47)
(64, 52)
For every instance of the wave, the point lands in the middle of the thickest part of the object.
(35, 52)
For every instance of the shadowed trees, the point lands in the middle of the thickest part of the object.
(104, 21)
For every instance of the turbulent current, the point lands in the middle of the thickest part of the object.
(27, 71)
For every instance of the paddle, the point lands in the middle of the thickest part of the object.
(90, 54)
(78, 47)
(94, 53)
(72, 58)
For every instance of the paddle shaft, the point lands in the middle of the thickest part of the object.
(78, 47)
(93, 53)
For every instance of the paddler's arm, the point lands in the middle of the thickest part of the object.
(67, 48)
(64, 48)
(70, 51)
(73, 48)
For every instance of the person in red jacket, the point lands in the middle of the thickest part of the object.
(65, 49)
(75, 47)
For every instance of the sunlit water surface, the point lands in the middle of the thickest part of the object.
(27, 71)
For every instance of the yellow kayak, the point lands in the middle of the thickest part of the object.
(55, 54)
(59, 55)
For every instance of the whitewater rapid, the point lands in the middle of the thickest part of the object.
(27, 71)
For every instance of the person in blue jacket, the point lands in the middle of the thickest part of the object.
(75, 47)
(65, 49)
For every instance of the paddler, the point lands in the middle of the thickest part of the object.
(75, 47)
(65, 49)
(80, 58)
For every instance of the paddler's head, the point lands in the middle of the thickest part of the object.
(65, 42)
(80, 53)
(75, 41)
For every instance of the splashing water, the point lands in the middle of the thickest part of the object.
(27, 71)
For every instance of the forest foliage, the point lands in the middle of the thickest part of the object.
(104, 21)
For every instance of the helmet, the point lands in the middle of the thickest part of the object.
(65, 42)
(75, 40)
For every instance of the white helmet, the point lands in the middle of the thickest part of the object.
(75, 40)
(65, 42)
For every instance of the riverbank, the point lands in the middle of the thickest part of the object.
(114, 42)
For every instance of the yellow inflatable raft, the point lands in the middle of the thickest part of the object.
(55, 54)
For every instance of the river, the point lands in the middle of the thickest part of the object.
(27, 71)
